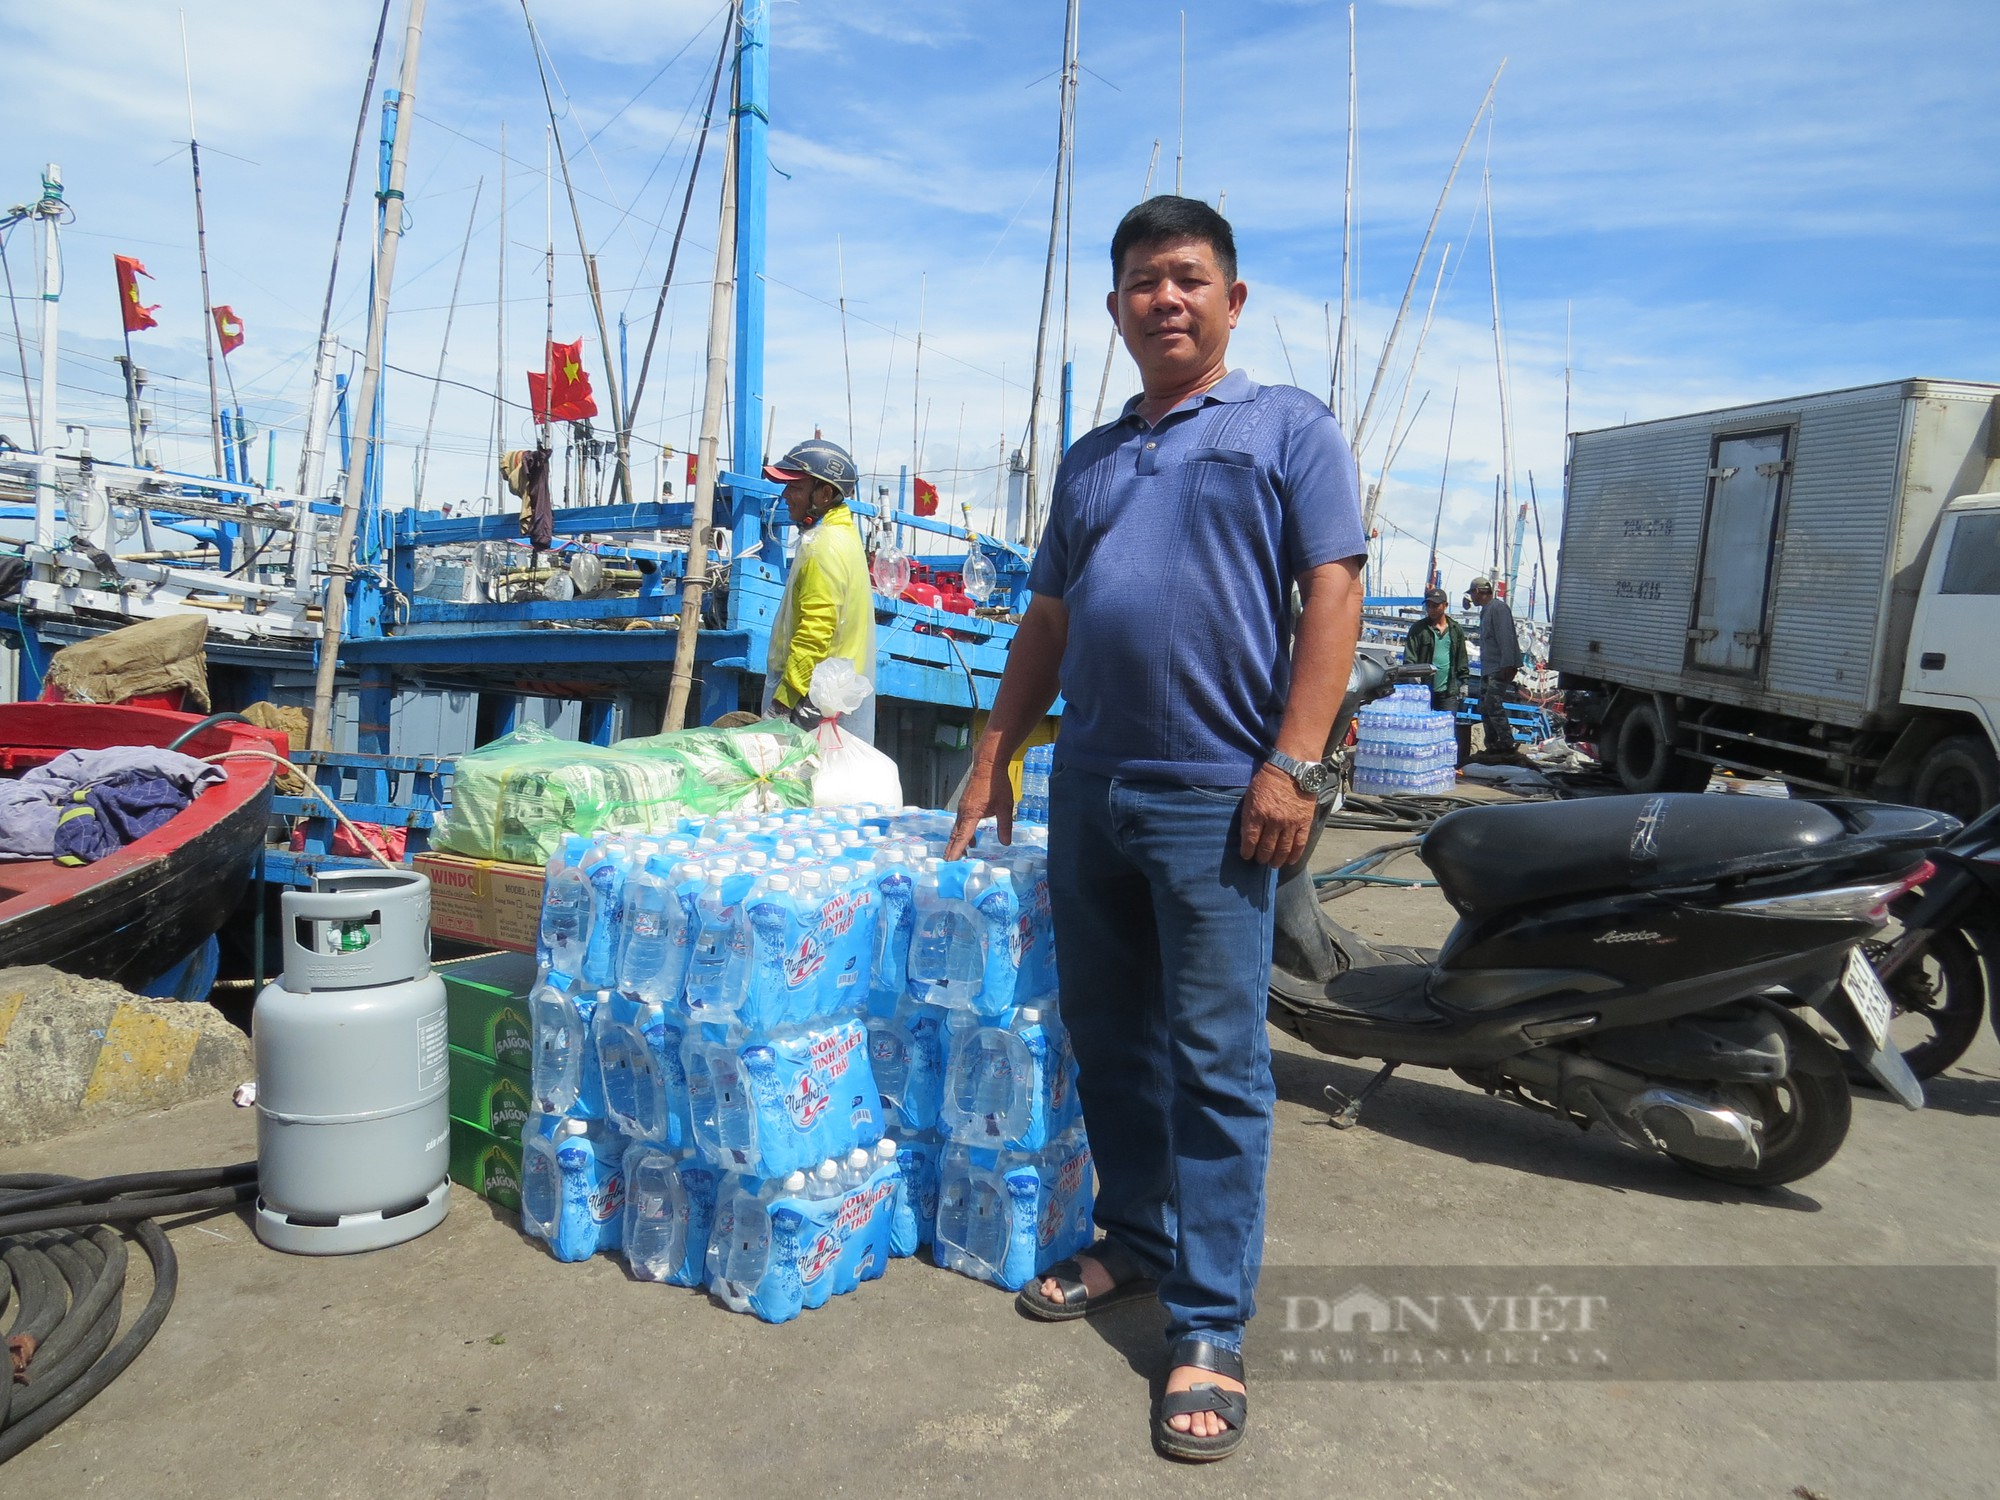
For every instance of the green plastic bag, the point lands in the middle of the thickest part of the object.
(759, 768)
(514, 799)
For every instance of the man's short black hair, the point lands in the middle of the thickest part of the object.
(1166, 217)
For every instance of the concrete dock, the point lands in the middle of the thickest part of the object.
(470, 1365)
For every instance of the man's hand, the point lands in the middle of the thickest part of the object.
(1277, 818)
(989, 793)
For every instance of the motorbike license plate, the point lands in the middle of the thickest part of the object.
(1871, 1001)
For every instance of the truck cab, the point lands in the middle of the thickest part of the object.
(1953, 665)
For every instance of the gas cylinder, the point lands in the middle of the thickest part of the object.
(352, 1069)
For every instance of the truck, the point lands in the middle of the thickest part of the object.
(1806, 590)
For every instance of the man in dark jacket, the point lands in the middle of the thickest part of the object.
(1499, 663)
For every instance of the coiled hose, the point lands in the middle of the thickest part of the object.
(63, 1266)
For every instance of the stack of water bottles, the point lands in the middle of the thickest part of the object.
(1404, 748)
(744, 1040)
(1035, 767)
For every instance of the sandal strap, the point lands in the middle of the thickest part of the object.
(1068, 1277)
(1232, 1406)
(1199, 1353)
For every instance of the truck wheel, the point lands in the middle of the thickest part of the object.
(1646, 760)
(1959, 777)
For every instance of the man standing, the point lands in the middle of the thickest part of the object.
(1499, 664)
(828, 608)
(1438, 641)
(1186, 777)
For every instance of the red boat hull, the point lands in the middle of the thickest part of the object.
(134, 914)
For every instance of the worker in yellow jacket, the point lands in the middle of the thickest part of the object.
(828, 608)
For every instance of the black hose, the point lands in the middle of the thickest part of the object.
(69, 1288)
(230, 717)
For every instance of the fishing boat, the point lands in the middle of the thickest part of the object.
(140, 913)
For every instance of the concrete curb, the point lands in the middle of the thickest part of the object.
(74, 1052)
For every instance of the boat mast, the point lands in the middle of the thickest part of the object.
(499, 341)
(201, 254)
(334, 616)
(1340, 397)
(1111, 345)
(620, 427)
(1063, 148)
(1500, 370)
(1360, 434)
(49, 209)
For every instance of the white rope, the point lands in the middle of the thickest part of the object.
(344, 821)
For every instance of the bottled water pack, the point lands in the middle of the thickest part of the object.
(770, 1107)
(780, 1246)
(1007, 1216)
(1404, 748)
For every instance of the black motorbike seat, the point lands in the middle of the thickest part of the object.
(1492, 858)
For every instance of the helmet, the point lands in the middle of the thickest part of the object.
(816, 458)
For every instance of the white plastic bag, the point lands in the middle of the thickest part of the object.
(850, 769)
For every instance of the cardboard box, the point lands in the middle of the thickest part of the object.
(489, 1164)
(483, 900)
(488, 1094)
(486, 1002)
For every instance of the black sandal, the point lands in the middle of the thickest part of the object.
(1129, 1279)
(1232, 1406)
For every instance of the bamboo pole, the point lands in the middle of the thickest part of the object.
(334, 616)
(721, 303)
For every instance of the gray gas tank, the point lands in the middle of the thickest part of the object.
(352, 1070)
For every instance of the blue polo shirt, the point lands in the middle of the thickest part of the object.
(1174, 548)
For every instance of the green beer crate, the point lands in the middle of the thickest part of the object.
(489, 1164)
(490, 1095)
(487, 1007)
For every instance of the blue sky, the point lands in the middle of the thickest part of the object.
(1726, 202)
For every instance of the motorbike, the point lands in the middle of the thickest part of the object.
(1937, 968)
(1644, 963)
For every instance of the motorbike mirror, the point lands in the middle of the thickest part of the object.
(1368, 681)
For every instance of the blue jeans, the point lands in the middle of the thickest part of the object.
(1163, 932)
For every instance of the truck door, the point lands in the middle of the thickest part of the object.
(1952, 652)
(1745, 482)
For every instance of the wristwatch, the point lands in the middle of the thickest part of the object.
(1309, 776)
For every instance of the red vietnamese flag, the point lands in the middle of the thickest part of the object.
(694, 468)
(228, 328)
(562, 392)
(135, 316)
(925, 500)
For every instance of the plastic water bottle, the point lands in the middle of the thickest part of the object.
(638, 1045)
(918, 1159)
(604, 868)
(572, 1185)
(948, 943)
(653, 965)
(563, 1071)
(719, 963)
(906, 1050)
(566, 910)
(773, 918)
(721, 1113)
(895, 920)
(744, 1273)
(990, 891)
(669, 1213)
